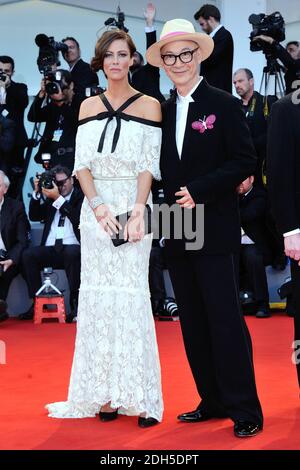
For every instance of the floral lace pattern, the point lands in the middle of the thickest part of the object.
(116, 356)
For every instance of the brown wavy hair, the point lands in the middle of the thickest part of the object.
(103, 44)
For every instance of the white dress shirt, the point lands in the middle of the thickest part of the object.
(215, 30)
(69, 237)
(181, 115)
(2, 95)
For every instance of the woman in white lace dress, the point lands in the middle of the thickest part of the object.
(116, 366)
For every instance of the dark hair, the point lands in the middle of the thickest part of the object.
(5, 59)
(247, 72)
(291, 43)
(206, 11)
(140, 56)
(62, 169)
(70, 38)
(103, 44)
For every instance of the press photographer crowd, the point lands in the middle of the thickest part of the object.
(268, 223)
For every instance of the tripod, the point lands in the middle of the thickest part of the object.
(272, 68)
(48, 287)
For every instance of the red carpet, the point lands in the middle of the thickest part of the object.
(38, 360)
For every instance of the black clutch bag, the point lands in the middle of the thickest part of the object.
(118, 238)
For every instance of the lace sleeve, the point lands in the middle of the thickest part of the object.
(149, 158)
(83, 150)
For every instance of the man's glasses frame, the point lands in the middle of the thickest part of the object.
(185, 57)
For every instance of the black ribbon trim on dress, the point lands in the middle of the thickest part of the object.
(110, 114)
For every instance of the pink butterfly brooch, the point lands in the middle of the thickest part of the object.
(202, 124)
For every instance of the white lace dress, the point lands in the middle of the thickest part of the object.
(116, 357)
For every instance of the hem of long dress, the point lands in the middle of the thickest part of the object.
(73, 410)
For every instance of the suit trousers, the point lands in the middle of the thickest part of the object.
(216, 338)
(6, 280)
(36, 258)
(295, 272)
(252, 270)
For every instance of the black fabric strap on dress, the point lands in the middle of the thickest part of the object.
(118, 114)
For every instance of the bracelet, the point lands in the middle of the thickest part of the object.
(95, 202)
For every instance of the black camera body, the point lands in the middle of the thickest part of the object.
(55, 83)
(117, 22)
(48, 53)
(3, 76)
(269, 25)
(46, 179)
(3, 257)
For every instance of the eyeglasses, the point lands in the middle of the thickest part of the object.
(61, 182)
(184, 57)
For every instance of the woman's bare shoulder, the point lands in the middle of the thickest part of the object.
(90, 107)
(151, 108)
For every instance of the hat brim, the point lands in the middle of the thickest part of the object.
(205, 43)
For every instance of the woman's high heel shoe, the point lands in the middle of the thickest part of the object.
(108, 416)
(146, 422)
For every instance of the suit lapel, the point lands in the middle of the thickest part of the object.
(4, 213)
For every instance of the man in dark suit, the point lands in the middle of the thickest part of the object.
(206, 152)
(14, 228)
(145, 78)
(81, 71)
(256, 247)
(14, 100)
(60, 244)
(257, 109)
(7, 141)
(217, 69)
(283, 173)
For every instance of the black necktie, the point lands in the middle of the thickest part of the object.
(58, 246)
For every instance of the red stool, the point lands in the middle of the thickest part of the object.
(41, 311)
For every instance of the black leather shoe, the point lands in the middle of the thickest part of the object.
(3, 316)
(246, 428)
(195, 416)
(70, 318)
(146, 422)
(108, 415)
(27, 315)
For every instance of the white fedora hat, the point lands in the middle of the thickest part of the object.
(179, 30)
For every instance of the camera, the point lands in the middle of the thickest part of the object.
(3, 257)
(48, 53)
(270, 25)
(3, 76)
(93, 91)
(117, 22)
(46, 178)
(55, 83)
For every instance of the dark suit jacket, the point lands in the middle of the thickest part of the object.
(16, 103)
(146, 79)
(292, 67)
(39, 212)
(283, 162)
(83, 77)
(258, 125)
(7, 134)
(212, 164)
(14, 227)
(253, 211)
(217, 69)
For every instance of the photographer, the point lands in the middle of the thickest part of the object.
(289, 57)
(257, 109)
(14, 228)
(60, 245)
(60, 115)
(82, 74)
(7, 140)
(13, 102)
